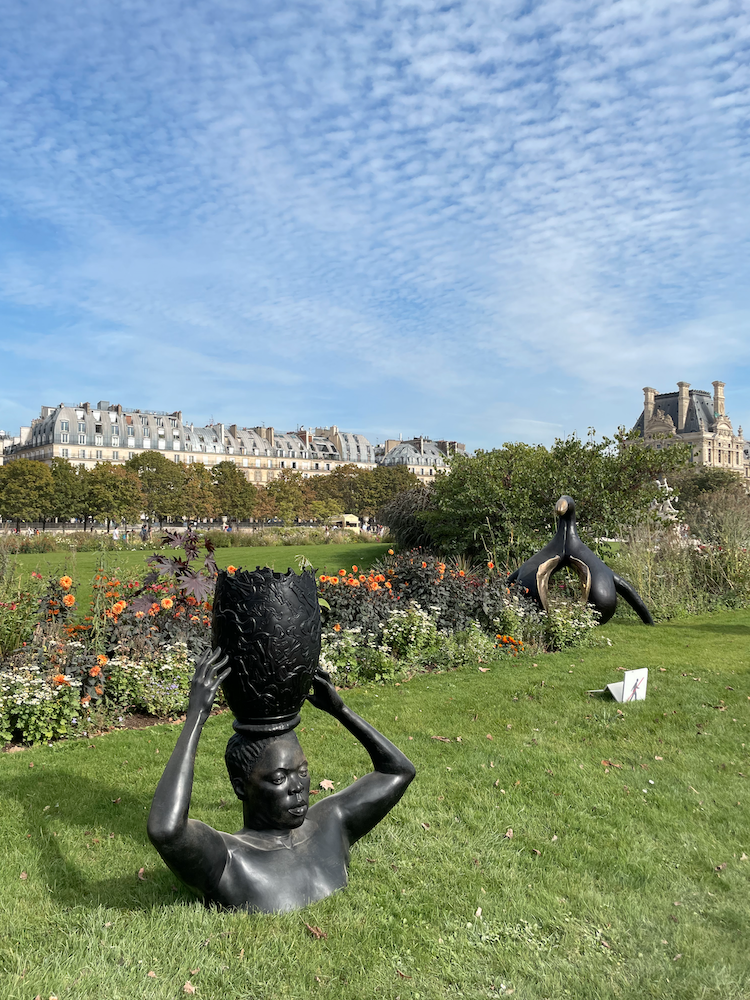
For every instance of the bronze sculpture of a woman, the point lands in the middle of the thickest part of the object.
(287, 854)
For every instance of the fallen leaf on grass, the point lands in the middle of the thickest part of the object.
(608, 763)
(554, 838)
(188, 987)
(316, 932)
(443, 739)
(535, 851)
(658, 758)
(509, 833)
(678, 955)
(604, 943)
(314, 791)
(489, 735)
(23, 876)
(721, 867)
(744, 857)
(497, 783)
(425, 826)
(116, 801)
(484, 669)
(402, 974)
(151, 974)
(194, 972)
(327, 784)
(141, 876)
(662, 670)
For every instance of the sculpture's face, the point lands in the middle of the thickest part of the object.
(277, 790)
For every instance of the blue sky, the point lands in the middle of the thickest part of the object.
(486, 221)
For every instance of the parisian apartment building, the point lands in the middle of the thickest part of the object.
(87, 434)
(698, 418)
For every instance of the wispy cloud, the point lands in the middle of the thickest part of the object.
(492, 221)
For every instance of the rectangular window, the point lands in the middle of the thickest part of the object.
(258, 476)
(257, 463)
(97, 428)
(65, 452)
(115, 442)
(82, 439)
(82, 453)
(328, 466)
(64, 438)
(146, 432)
(81, 426)
(294, 465)
(176, 444)
(98, 456)
(162, 443)
(131, 454)
(64, 425)
(282, 464)
(98, 439)
(146, 442)
(115, 456)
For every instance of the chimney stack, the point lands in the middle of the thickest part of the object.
(648, 402)
(719, 398)
(682, 404)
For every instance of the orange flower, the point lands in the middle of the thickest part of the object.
(424, 565)
(362, 578)
(354, 569)
(65, 582)
(490, 565)
(95, 671)
(85, 700)
(461, 573)
(323, 578)
(390, 552)
(102, 660)
(139, 614)
(337, 627)
(119, 607)
(387, 584)
(99, 689)
(333, 579)
(342, 572)
(167, 603)
(69, 600)
(60, 679)
(194, 618)
(153, 610)
(231, 569)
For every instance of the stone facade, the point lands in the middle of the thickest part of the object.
(695, 417)
(87, 434)
(422, 456)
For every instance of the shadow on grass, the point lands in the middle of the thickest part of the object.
(720, 628)
(88, 807)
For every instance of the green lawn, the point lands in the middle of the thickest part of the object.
(622, 879)
(82, 566)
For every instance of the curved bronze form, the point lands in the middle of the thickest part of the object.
(599, 584)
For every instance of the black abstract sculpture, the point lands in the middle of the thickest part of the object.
(599, 584)
(266, 633)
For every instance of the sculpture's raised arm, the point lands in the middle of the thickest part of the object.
(364, 803)
(195, 852)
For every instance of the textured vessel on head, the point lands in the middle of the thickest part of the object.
(269, 625)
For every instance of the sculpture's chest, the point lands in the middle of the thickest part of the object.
(283, 879)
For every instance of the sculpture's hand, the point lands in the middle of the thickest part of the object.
(325, 696)
(206, 680)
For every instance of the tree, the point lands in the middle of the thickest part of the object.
(161, 482)
(376, 487)
(26, 491)
(197, 499)
(234, 496)
(112, 492)
(66, 496)
(287, 495)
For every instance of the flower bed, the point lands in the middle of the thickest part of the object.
(63, 672)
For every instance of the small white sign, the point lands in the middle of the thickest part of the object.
(632, 687)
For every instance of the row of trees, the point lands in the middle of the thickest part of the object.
(162, 490)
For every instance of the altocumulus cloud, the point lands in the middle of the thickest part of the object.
(474, 219)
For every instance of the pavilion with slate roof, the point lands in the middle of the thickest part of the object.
(698, 418)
